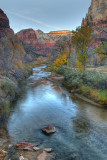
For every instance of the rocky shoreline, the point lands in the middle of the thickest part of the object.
(25, 151)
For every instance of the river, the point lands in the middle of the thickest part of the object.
(81, 128)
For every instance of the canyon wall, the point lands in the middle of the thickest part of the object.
(12, 56)
(39, 43)
(11, 49)
(4, 25)
(97, 19)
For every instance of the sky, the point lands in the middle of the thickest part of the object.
(46, 15)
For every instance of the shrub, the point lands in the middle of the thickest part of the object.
(90, 78)
(27, 72)
(9, 87)
(4, 104)
(103, 97)
(91, 84)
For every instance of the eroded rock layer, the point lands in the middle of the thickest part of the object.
(97, 18)
(4, 25)
(40, 43)
(12, 56)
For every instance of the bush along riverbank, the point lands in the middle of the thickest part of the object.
(9, 86)
(90, 84)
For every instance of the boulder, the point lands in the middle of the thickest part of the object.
(49, 130)
(48, 150)
(36, 148)
(25, 146)
(22, 158)
(27, 149)
(45, 156)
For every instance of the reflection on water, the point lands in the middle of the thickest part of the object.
(81, 128)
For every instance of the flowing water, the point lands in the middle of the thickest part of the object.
(81, 127)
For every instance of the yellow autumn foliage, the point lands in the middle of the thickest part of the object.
(101, 57)
(79, 65)
(61, 59)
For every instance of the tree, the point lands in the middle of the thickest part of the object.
(61, 59)
(64, 46)
(102, 51)
(61, 44)
(80, 40)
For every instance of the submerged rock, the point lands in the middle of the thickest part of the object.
(22, 158)
(48, 150)
(45, 156)
(24, 144)
(36, 148)
(27, 149)
(49, 130)
(2, 154)
(10, 145)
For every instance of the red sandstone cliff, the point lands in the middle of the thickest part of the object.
(97, 18)
(4, 25)
(40, 43)
(11, 50)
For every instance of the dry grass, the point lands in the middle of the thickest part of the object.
(101, 69)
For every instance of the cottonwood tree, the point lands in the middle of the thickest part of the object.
(80, 40)
(102, 51)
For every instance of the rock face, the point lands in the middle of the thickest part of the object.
(4, 25)
(97, 12)
(97, 18)
(11, 50)
(12, 56)
(61, 32)
(40, 43)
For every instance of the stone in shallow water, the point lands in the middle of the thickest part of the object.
(49, 130)
(22, 158)
(24, 144)
(45, 156)
(27, 149)
(48, 150)
(36, 148)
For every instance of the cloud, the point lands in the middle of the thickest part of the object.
(32, 20)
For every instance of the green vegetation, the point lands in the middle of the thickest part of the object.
(4, 107)
(9, 87)
(102, 51)
(90, 84)
(80, 40)
(27, 71)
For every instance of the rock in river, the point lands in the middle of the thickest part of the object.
(45, 156)
(48, 150)
(36, 148)
(49, 130)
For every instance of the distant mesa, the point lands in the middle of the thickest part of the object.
(39, 31)
(61, 32)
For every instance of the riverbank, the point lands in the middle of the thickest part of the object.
(8, 149)
(46, 103)
(87, 85)
(60, 80)
(10, 87)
